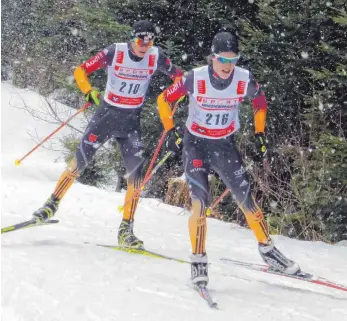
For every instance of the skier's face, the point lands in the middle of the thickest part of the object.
(224, 63)
(141, 46)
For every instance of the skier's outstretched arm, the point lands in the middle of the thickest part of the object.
(180, 88)
(100, 61)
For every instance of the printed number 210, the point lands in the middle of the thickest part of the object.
(131, 90)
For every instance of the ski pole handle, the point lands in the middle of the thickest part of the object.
(18, 161)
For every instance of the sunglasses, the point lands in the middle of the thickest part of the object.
(225, 60)
(144, 42)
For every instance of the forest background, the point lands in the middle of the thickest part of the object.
(296, 50)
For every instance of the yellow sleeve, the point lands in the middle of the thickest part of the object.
(259, 120)
(82, 80)
(165, 112)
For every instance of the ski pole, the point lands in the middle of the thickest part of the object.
(149, 172)
(18, 161)
(216, 202)
(161, 141)
(156, 152)
(160, 163)
(227, 190)
(145, 181)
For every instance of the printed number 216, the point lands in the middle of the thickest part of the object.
(216, 119)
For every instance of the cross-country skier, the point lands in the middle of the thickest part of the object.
(130, 67)
(215, 93)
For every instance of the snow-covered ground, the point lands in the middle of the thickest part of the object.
(50, 274)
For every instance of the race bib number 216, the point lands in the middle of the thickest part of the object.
(217, 119)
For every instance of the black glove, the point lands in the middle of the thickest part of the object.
(174, 141)
(260, 145)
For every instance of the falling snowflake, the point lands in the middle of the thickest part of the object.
(250, 1)
(70, 80)
(184, 57)
(273, 205)
(304, 54)
(320, 106)
(74, 32)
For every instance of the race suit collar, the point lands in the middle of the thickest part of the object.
(217, 82)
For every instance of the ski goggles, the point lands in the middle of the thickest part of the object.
(225, 60)
(144, 42)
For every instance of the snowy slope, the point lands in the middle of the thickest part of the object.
(49, 274)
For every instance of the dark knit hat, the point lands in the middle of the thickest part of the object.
(143, 28)
(224, 42)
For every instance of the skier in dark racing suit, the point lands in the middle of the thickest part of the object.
(130, 67)
(215, 92)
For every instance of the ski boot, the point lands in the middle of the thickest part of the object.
(199, 272)
(126, 237)
(47, 211)
(273, 257)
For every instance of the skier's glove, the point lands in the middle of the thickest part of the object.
(93, 96)
(260, 145)
(174, 141)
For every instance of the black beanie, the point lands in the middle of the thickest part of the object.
(143, 28)
(224, 42)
